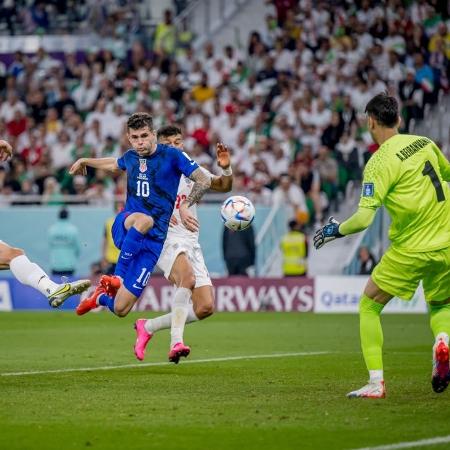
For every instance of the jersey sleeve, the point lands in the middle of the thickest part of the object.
(362, 218)
(377, 180)
(121, 162)
(184, 163)
(444, 165)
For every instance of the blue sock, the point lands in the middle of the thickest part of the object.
(106, 300)
(130, 248)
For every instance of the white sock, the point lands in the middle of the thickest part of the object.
(443, 336)
(180, 308)
(165, 321)
(32, 275)
(376, 376)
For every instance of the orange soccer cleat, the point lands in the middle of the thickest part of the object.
(90, 303)
(111, 284)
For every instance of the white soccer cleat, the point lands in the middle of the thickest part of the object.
(64, 291)
(370, 390)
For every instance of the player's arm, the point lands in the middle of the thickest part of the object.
(376, 183)
(5, 151)
(224, 182)
(202, 183)
(107, 164)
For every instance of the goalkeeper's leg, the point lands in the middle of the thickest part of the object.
(440, 324)
(371, 333)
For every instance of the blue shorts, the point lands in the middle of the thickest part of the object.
(143, 263)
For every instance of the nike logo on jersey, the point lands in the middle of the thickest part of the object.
(137, 287)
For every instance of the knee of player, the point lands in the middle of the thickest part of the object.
(205, 310)
(143, 223)
(120, 312)
(14, 253)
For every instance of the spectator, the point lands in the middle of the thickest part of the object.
(165, 35)
(294, 248)
(289, 194)
(239, 250)
(366, 260)
(411, 96)
(64, 246)
(327, 168)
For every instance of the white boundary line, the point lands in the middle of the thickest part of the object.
(412, 444)
(158, 364)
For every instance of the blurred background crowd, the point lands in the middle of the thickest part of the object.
(288, 101)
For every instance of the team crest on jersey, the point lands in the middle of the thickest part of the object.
(368, 190)
(142, 165)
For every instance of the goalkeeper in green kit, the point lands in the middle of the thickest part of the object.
(408, 175)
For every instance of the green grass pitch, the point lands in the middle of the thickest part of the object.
(291, 402)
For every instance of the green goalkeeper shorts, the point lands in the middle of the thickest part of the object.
(399, 272)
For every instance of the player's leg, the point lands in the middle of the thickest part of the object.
(388, 280)
(184, 279)
(33, 275)
(128, 232)
(371, 334)
(136, 225)
(202, 306)
(437, 293)
(120, 299)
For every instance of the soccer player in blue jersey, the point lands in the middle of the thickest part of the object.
(153, 172)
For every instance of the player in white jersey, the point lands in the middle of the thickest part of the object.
(182, 259)
(30, 273)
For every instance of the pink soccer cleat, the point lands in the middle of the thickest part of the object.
(177, 351)
(142, 338)
(440, 377)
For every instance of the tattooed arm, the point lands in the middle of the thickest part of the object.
(201, 185)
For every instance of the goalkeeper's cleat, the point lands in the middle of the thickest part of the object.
(142, 338)
(441, 372)
(177, 351)
(111, 284)
(66, 290)
(370, 390)
(90, 303)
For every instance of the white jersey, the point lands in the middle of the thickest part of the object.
(180, 232)
(180, 240)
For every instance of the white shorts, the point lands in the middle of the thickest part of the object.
(194, 252)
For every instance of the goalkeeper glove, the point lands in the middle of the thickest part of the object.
(327, 233)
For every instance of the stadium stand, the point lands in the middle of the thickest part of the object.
(290, 101)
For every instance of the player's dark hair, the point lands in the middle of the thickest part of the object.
(140, 120)
(168, 131)
(384, 109)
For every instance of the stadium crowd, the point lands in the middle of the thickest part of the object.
(290, 104)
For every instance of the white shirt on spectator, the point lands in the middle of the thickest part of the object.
(7, 110)
(293, 199)
(85, 97)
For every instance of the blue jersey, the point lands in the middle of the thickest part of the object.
(152, 184)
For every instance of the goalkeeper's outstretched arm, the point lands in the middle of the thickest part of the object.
(362, 218)
(359, 221)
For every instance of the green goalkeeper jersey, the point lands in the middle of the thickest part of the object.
(408, 176)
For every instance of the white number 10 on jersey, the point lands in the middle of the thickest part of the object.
(143, 188)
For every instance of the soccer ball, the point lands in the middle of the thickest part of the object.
(237, 212)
